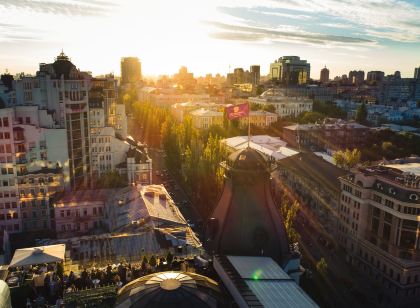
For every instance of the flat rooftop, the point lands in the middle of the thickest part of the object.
(413, 168)
(260, 282)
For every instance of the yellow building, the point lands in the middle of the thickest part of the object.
(203, 118)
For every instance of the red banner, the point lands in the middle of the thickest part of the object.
(237, 111)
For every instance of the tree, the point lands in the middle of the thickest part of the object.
(361, 114)
(310, 117)
(269, 108)
(289, 212)
(347, 159)
(322, 266)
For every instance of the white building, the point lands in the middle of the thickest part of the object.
(62, 90)
(34, 165)
(284, 105)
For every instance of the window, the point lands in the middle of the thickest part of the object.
(347, 188)
(6, 122)
(389, 203)
(377, 198)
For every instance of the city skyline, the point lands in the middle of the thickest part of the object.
(211, 37)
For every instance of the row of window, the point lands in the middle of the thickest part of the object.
(33, 203)
(5, 135)
(7, 194)
(5, 171)
(9, 216)
(95, 211)
(5, 159)
(8, 205)
(7, 182)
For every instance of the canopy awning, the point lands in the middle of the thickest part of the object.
(38, 255)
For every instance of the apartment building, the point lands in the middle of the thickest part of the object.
(379, 224)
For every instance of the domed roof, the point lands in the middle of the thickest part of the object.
(247, 159)
(170, 289)
(63, 66)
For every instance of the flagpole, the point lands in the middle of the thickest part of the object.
(249, 124)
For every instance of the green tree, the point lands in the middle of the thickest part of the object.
(322, 266)
(310, 117)
(361, 113)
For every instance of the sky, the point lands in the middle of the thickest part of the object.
(212, 36)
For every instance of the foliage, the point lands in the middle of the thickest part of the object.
(361, 113)
(390, 145)
(111, 179)
(310, 117)
(329, 110)
(265, 107)
(322, 266)
(289, 212)
(347, 159)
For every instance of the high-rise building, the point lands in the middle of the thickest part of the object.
(417, 73)
(374, 77)
(290, 70)
(255, 74)
(130, 70)
(357, 77)
(325, 75)
(62, 89)
(379, 228)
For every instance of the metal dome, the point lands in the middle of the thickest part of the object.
(170, 289)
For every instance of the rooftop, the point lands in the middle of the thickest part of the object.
(260, 282)
(206, 113)
(338, 125)
(270, 146)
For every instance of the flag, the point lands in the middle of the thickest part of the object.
(237, 111)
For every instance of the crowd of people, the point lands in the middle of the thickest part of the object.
(48, 286)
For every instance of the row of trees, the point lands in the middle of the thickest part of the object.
(192, 155)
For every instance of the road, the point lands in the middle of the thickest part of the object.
(162, 176)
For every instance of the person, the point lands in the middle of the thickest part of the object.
(128, 275)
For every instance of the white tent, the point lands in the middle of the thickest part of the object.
(5, 300)
(38, 255)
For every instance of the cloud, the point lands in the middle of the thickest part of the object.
(14, 33)
(398, 17)
(337, 25)
(249, 33)
(73, 8)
